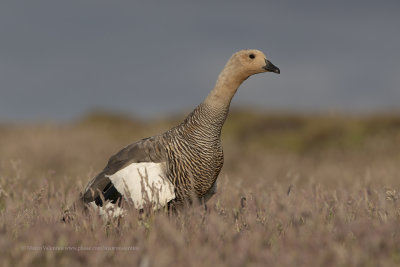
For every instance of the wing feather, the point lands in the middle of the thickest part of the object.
(148, 150)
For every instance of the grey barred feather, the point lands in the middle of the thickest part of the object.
(195, 152)
(192, 151)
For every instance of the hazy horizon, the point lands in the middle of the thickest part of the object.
(60, 60)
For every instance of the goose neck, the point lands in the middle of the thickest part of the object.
(225, 88)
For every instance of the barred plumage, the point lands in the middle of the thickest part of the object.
(186, 160)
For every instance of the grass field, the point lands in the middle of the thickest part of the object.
(294, 191)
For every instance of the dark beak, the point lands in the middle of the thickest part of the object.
(271, 67)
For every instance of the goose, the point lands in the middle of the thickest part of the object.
(182, 164)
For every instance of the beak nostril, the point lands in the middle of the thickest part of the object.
(271, 67)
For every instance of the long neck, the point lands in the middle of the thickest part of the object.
(213, 111)
(211, 114)
(225, 88)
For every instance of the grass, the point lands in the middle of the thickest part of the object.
(294, 191)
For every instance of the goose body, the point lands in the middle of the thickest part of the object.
(183, 163)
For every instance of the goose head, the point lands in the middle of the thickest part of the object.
(251, 62)
(239, 67)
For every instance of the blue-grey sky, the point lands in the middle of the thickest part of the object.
(60, 59)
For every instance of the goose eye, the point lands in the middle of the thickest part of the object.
(252, 56)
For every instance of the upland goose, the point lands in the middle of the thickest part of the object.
(183, 163)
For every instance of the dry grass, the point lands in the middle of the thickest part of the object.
(295, 191)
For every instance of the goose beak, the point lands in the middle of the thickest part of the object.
(271, 67)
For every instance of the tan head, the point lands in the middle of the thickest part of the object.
(239, 67)
(251, 62)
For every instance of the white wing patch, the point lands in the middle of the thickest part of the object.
(144, 182)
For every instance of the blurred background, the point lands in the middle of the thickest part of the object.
(98, 75)
(60, 60)
(314, 150)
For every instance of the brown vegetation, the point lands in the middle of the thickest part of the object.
(294, 191)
